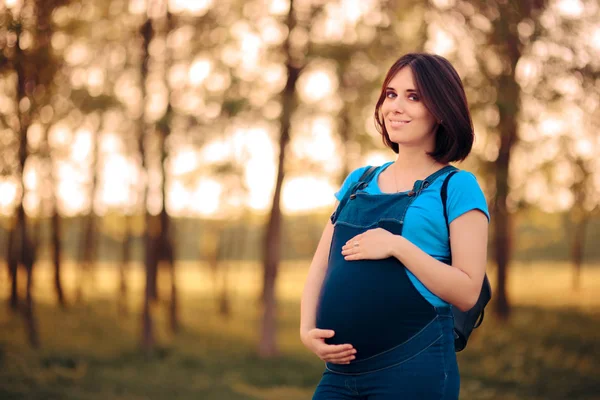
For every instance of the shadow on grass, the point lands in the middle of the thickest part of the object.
(90, 353)
(539, 354)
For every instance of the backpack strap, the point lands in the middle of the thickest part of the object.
(444, 194)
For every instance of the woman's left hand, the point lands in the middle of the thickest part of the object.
(374, 244)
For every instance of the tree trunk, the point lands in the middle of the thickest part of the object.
(89, 237)
(577, 248)
(166, 234)
(224, 300)
(174, 304)
(148, 339)
(152, 262)
(26, 82)
(13, 263)
(272, 243)
(26, 254)
(28, 260)
(225, 257)
(56, 256)
(55, 225)
(345, 133)
(508, 98)
(166, 256)
(86, 255)
(578, 216)
(126, 258)
(508, 103)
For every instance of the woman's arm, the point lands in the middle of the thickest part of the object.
(313, 338)
(460, 284)
(314, 281)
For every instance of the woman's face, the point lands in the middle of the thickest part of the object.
(407, 121)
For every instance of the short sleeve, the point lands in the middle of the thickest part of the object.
(351, 179)
(464, 195)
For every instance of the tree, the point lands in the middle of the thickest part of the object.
(33, 30)
(164, 240)
(272, 240)
(81, 106)
(123, 266)
(568, 83)
(580, 214)
(357, 57)
(89, 242)
(56, 233)
(150, 262)
(560, 122)
(494, 26)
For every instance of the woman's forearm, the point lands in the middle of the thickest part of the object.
(314, 281)
(448, 283)
(310, 299)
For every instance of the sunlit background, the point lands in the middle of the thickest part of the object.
(121, 101)
(100, 63)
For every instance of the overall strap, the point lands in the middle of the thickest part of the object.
(362, 182)
(429, 180)
(366, 177)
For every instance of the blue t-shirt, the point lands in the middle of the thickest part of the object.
(424, 224)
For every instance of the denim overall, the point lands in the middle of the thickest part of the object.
(405, 345)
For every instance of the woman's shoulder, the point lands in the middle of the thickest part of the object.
(465, 194)
(463, 180)
(356, 174)
(354, 177)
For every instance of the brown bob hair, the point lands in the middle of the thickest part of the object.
(442, 92)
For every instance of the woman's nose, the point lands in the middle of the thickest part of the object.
(397, 106)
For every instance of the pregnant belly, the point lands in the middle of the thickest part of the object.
(370, 304)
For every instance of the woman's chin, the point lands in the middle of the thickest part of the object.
(406, 137)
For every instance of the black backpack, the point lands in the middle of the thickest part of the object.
(466, 321)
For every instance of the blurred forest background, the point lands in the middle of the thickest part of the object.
(167, 167)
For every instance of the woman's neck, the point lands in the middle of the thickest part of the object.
(414, 163)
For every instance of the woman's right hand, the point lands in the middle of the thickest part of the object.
(314, 340)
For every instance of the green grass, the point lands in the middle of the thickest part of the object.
(89, 352)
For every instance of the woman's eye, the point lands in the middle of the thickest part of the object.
(390, 95)
(413, 97)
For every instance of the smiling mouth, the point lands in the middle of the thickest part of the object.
(395, 124)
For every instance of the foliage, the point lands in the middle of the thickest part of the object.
(542, 237)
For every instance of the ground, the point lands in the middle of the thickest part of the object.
(547, 350)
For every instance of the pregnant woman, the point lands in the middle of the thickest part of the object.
(376, 305)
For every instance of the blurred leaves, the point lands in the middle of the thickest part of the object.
(86, 103)
(223, 67)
